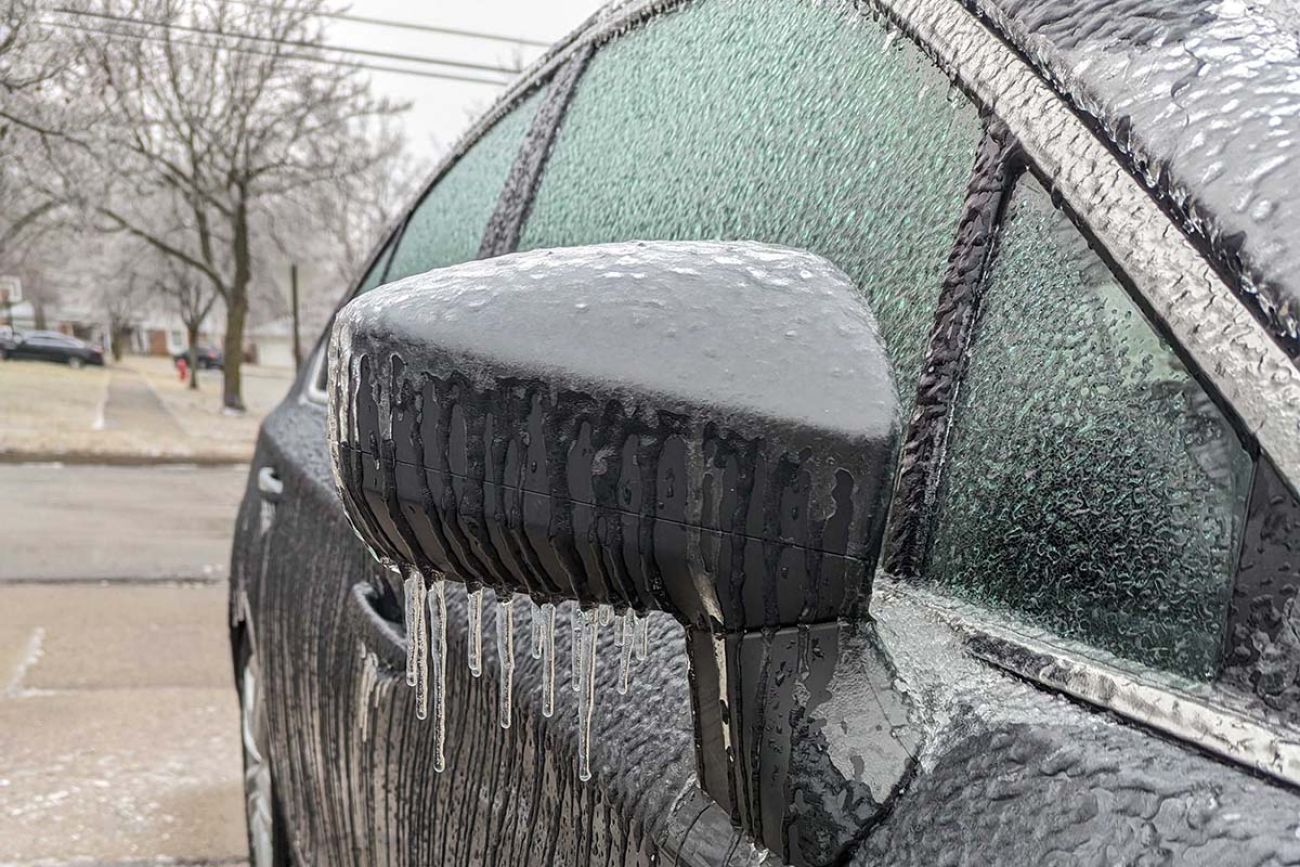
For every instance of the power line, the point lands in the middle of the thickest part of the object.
(296, 43)
(351, 64)
(410, 25)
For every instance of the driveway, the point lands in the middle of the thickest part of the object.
(119, 723)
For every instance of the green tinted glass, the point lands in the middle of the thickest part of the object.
(790, 122)
(447, 225)
(1090, 483)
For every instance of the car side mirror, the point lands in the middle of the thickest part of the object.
(705, 429)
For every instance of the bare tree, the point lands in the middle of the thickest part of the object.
(192, 297)
(217, 132)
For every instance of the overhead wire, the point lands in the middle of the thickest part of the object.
(409, 25)
(351, 64)
(295, 43)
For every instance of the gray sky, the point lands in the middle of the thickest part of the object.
(442, 109)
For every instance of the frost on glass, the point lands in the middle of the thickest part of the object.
(1091, 486)
(796, 123)
(447, 225)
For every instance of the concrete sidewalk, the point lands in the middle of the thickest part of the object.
(119, 727)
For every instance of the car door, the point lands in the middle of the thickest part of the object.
(783, 122)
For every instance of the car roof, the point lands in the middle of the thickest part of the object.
(1202, 98)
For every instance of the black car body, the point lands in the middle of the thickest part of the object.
(1076, 225)
(53, 346)
(205, 358)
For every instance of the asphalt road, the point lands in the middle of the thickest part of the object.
(119, 723)
(101, 522)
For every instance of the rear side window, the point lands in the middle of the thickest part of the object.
(1091, 486)
(803, 124)
(447, 224)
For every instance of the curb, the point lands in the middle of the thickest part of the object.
(83, 458)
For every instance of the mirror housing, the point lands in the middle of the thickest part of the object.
(705, 429)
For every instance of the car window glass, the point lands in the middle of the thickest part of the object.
(447, 225)
(1091, 485)
(794, 123)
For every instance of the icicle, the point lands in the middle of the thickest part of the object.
(437, 616)
(412, 617)
(548, 661)
(606, 614)
(575, 622)
(474, 639)
(642, 636)
(506, 657)
(538, 614)
(416, 639)
(586, 661)
(623, 640)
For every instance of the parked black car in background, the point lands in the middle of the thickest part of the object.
(716, 287)
(205, 357)
(52, 346)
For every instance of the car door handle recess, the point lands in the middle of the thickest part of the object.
(705, 429)
(269, 484)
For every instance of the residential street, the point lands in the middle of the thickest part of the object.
(69, 522)
(119, 725)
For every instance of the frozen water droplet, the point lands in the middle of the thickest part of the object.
(538, 617)
(575, 623)
(624, 640)
(437, 615)
(417, 659)
(411, 618)
(585, 659)
(474, 638)
(548, 661)
(506, 658)
(642, 636)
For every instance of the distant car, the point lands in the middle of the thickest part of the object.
(206, 357)
(52, 346)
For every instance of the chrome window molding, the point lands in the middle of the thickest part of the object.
(313, 393)
(1229, 347)
(1195, 713)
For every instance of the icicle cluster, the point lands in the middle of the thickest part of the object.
(426, 658)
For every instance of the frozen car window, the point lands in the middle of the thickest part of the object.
(447, 225)
(788, 122)
(1091, 486)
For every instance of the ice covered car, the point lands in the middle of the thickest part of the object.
(886, 416)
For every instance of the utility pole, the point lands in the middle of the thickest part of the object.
(297, 340)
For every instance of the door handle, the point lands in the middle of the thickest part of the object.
(269, 484)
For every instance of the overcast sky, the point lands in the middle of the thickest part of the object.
(442, 109)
